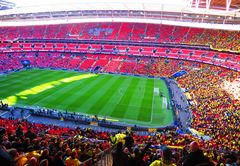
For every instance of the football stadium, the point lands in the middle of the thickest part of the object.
(118, 83)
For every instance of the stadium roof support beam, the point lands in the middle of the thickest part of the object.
(197, 2)
(228, 4)
(208, 3)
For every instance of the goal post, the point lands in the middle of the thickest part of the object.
(156, 91)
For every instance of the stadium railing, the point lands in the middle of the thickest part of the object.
(103, 159)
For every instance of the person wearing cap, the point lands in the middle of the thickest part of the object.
(166, 158)
(196, 157)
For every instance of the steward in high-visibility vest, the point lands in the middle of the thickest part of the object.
(113, 139)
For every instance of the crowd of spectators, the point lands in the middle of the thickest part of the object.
(229, 40)
(162, 67)
(215, 113)
(24, 143)
(216, 107)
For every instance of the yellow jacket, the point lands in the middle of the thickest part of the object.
(72, 162)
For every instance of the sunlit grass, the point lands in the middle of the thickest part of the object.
(12, 100)
(126, 99)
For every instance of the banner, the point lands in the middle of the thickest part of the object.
(25, 62)
(179, 74)
(199, 134)
(94, 123)
(153, 130)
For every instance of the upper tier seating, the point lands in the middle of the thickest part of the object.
(228, 40)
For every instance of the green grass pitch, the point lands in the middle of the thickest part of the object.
(128, 99)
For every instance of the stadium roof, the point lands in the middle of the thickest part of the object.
(147, 5)
(193, 11)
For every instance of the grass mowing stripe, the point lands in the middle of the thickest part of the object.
(120, 108)
(146, 103)
(29, 83)
(71, 92)
(21, 78)
(33, 79)
(16, 74)
(158, 114)
(166, 114)
(134, 108)
(54, 93)
(34, 99)
(119, 90)
(66, 90)
(97, 99)
(125, 98)
(109, 89)
(78, 101)
(97, 92)
(157, 109)
(19, 74)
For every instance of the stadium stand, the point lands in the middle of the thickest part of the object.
(127, 31)
(224, 59)
(89, 143)
(211, 104)
(25, 141)
(210, 84)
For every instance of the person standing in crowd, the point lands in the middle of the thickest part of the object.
(129, 141)
(166, 158)
(119, 157)
(19, 160)
(196, 157)
(5, 158)
(58, 160)
(136, 158)
(30, 134)
(72, 160)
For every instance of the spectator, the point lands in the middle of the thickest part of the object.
(33, 162)
(19, 131)
(32, 153)
(119, 157)
(137, 157)
(30, 134)
(196, 157)
(228, 162)
(129, 142)
(19, 160)
(58, 161)
(72, 160)
(45, 156)
(166, 158)
(67, 154)
(5, 158)
(44, 162)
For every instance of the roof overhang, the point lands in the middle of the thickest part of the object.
(171, 11)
